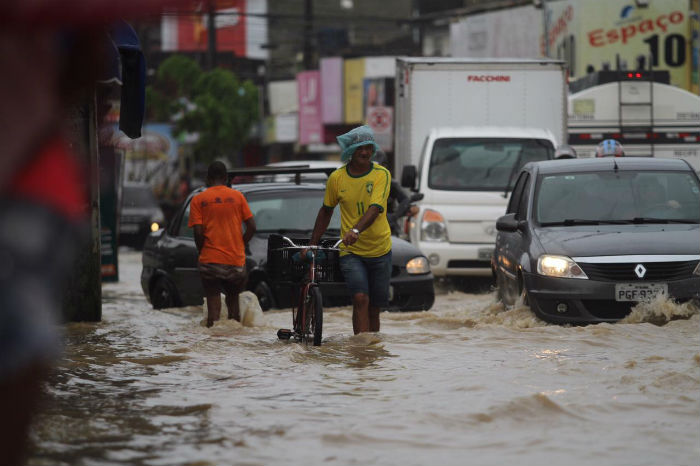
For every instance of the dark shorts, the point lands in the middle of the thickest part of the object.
(368, 275)
(222, 278)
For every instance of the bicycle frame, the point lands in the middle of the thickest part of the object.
(299, 318)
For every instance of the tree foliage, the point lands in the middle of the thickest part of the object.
(216, 105)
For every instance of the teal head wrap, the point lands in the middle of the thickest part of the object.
(360, 136)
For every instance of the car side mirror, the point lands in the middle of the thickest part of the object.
(156, 235)
(509, 223)
(408, 177)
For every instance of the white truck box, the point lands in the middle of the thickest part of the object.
(491, 116)
(648, 118)
(459, 92)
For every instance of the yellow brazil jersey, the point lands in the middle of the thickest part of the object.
(355, 194)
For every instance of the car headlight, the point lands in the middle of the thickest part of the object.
(433, 226)
(559, 266)
(158, 217)
(417, 265)
(697, 269)
(155, 226)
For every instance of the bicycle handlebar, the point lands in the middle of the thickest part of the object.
(335, 246)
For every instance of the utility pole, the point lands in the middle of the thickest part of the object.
(308, 34)
(82, 300)
(211, 35)
(545, 19)
(417, 28)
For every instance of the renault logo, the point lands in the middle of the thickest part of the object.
(640, 270)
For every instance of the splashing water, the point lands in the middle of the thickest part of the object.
(660, 311)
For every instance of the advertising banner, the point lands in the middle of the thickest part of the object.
(309, 91)
(591, 35)
(110, 186)
(508, 33)
(331, 90)
(241, 28)
(283, 96)
(354, 73)
(380, 67)
(377, 91)
(282, 128)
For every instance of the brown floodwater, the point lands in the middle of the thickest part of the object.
(464, 383)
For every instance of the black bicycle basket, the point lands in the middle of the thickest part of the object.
(281, 265)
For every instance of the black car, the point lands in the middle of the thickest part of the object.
(584, 240)
(170, 277)
(140, 214)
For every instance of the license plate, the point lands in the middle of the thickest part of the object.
(639, 291)
(128, 228)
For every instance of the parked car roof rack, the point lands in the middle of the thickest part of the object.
(295, 170)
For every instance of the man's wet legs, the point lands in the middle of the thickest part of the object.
(232, 304)
(360, 313)
(213, 309)
(374, 318)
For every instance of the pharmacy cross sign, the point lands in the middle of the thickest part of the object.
(379, 118)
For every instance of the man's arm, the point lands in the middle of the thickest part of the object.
(250, 229)
(198, 237)
(322, 220)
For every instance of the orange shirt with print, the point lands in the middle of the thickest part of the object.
(221, 211)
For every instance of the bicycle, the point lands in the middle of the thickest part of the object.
(307, 316)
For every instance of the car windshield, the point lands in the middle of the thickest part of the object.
(482, 164)
(289, 210)
(138, 196)
(617, 197)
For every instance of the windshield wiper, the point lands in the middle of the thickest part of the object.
(582, 221)
(663, 220)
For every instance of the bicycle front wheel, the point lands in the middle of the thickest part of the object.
(314, 312)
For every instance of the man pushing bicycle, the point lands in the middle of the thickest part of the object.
(361, 187)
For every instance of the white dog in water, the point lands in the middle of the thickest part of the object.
(251, 312)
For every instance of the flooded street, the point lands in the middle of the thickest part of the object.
(465, 383)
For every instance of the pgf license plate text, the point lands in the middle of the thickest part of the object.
(639, 292)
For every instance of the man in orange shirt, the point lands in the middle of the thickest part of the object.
(217, 215)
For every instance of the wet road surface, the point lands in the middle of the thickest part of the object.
(465, 383)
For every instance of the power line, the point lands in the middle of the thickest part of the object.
(301, 18)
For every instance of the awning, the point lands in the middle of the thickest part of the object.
(131, 73)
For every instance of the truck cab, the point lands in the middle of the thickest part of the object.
(466, 175)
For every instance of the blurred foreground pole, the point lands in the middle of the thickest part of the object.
(211, 35)
(308, 34)
(83, 298)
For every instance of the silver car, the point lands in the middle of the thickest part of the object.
(584, 240)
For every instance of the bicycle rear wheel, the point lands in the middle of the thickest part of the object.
(314, 312)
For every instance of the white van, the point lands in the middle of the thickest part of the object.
(466, 175)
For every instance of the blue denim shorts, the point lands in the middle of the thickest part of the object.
(368, 275)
